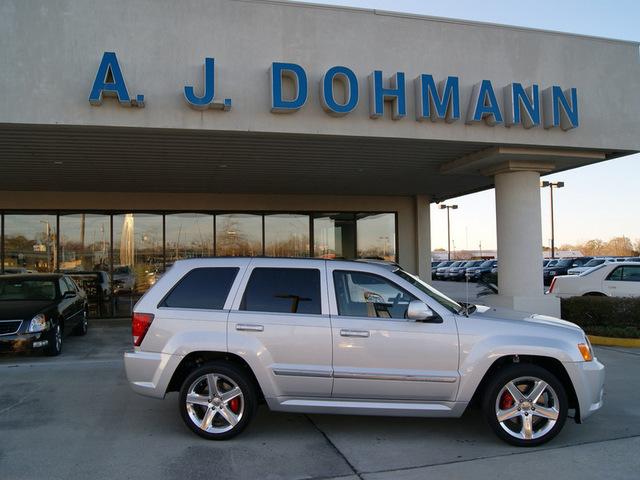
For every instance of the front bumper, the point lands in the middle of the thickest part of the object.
(588, 382)
(149, 373)
(23, 342)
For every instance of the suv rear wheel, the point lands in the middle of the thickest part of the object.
(525, 405)
(217, 400)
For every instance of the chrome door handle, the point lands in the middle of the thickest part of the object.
(249, 327)
(354, 333)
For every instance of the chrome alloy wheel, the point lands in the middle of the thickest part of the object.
(215, 403)
(57, 338)
(527, 408)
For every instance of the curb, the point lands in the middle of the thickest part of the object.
(614, 342)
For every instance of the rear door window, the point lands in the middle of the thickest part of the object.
(629, 273)
(204, 288)
(283, 290)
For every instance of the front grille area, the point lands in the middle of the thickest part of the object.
(9, 327)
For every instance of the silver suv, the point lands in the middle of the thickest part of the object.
(351, 337)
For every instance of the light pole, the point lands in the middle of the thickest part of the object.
(448, 207)
(553, 238)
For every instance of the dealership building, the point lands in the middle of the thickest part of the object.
(136, 133)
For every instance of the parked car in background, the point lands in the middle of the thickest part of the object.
(594, 262)
(484, 269)
(441, 272)
(471, 268)
(562, 267)
(608, 279)
(456, 271)
(124, 280)
(435, 266)
(37, 310)
(351, 337)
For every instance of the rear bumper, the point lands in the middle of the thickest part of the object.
(588, 382)
(149, 373)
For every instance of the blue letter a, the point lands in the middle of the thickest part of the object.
(109, 81)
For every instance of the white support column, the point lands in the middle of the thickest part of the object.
(423, 237)
(519, 235)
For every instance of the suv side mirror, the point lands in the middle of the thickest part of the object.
(420, 312)
(69, 294)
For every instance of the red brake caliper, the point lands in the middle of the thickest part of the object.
(506, 401)
(234, 405)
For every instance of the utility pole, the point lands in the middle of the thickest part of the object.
(551, 185)
(448, 207)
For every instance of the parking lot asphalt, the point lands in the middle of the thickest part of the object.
(74, 417)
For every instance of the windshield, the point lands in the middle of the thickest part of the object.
(564, 263)
(594, 262)
(429, 290)
(17, 289)
(488, 263)
(122, 270)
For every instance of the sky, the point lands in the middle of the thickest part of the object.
(598, 201)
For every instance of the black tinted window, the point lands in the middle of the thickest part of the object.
(202, 288)
(285, 290)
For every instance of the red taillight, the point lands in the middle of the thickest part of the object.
(140, 323)
(553, 284)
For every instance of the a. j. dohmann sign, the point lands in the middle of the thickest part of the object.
(528, 107)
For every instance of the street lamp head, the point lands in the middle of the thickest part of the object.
(545, 184)
(442, 207)
(560, 184)
(454, 207)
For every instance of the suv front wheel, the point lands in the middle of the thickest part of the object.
(525, 405)
(217, 400)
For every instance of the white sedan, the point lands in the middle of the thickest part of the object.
(609, 279)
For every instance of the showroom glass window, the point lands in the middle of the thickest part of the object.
(85, 241)
(85, 248)
(188, 235)
(286, 235)
(137, 257)
(238, 234)
(334, 235)
(376, 236)
(30, 243)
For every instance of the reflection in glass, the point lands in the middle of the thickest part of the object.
(377, 236)
(30, 243)
(334, 235)
(188, 235)
(84, 242)
(137, 256)
(286, 235)
(238, 234)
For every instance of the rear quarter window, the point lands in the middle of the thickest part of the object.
(203, 288)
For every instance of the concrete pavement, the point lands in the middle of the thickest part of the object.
(74, 416)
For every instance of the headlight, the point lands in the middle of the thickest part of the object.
(38, 323)
(585, 350)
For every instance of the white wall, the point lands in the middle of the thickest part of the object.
(50, 51)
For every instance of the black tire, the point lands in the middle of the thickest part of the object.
(82, 328)
(493, 394)
(54, 348)
(248, 400)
